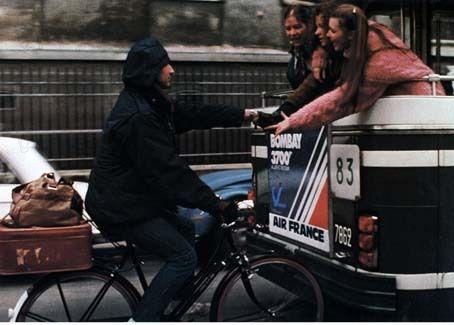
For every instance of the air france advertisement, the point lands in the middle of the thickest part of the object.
(298, 180)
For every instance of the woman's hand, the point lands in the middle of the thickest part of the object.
(280, 127)
(319, 64)
(319, 74)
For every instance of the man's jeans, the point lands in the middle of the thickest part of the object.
(172, 238)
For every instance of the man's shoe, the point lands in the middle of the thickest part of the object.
(198, 310)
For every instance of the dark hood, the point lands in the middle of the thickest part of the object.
(144, 63)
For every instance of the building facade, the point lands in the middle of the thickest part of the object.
(61, 60)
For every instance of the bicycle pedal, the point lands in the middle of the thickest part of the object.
(170, 307)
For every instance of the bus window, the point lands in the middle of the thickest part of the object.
(442, 45)
(393, 20)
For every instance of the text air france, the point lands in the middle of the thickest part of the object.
(284, 141)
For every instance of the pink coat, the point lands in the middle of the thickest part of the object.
(388, 71)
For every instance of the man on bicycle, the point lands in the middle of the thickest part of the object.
(138, 178)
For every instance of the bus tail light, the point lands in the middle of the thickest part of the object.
(367, 239)
(366, 242)
(251, 195)
(367, 224)
(368, 260)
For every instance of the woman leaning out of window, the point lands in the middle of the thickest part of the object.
(376, 63)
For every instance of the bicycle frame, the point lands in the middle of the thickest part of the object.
(196, 287)
(110, 264)
(217, 263)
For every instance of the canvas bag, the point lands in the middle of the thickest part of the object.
(45, 202)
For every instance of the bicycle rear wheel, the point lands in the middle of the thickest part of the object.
(79, 297)
(284, 290)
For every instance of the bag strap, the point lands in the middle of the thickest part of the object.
(65, 181)
(87, 219)
(52, 184)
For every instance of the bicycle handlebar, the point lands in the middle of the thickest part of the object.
(245, 219)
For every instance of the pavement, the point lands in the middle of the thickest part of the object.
(11, 289)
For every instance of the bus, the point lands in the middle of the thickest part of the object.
(366, 202)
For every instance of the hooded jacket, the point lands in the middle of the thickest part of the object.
(388, 71)
(137, 171)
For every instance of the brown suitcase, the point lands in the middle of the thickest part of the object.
(43, 250)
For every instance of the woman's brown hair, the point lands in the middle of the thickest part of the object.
(301, 13)
(352, 19)
(304, 15)
(326, 7)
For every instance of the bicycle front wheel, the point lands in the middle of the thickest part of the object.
(84, 296)
(274, 289)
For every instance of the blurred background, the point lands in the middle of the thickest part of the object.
(61, 61)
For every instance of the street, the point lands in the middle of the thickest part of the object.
(79, 293)
(12, 288)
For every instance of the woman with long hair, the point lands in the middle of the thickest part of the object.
(326, 62)
(298, 26)
(326, 67)
(376, 63)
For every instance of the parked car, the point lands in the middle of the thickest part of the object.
(231, 184)
(24, 163)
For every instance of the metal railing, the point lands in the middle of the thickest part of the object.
(434, 78)
(62, 105)
(281, 95)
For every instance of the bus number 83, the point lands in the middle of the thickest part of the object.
(346, 175)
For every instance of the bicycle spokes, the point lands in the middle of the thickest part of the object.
(62, 296)
(95, 303)
(79, 296)
(246, 277)
(272, 289)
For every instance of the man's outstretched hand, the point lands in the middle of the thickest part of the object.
(251, 115)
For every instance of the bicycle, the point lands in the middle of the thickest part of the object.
(266, 288)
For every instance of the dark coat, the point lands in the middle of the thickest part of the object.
(138, 173)
(311, 88)
(307, 91)
(297, 68)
